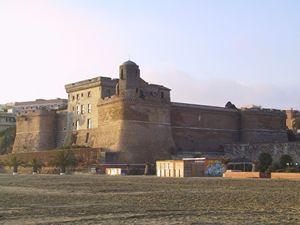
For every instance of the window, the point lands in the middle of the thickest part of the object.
(89, 94)
(89, 123)
(81, 94)
(89, 108)
(73, 98)
(82, 109)
(77, 96)
(122, 77)
(87, 137)
(161, 95)
(77, 125)
(77, 110)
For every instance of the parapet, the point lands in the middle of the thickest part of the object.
(89, 83)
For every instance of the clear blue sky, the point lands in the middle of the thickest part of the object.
(207, 52)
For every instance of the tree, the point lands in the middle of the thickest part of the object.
(64, 159)
(14, 162)
(225, 162)
(36, 164)
(265, 161)
(285, 160)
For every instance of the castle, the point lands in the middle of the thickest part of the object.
(138, 120)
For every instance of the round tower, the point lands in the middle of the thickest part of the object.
(129, 77)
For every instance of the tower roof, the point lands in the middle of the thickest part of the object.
(129, 63)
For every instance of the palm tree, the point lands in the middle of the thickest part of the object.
(36, 164)
(15, 163)
(64, 159)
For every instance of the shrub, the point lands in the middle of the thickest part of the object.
(14, 162)
(36, 164)
(265, 161)
(285, 160)
(64, 159)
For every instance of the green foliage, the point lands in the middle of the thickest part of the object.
(291, 170)
(36, 164)
(284, 160)
(64, 159)
(265, 161)
(14, 162)
(7, 138)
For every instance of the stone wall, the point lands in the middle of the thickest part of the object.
(40, 130)
(203, 128)
(140, 130)
(262, 126)
(252, 151)
(35, 131)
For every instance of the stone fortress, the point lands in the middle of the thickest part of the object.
(138, 121)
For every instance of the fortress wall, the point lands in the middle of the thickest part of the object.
(86, 137)
(146, 132)
(203, 128)
(35, 131)
(110, 116)
(252, 151)
(263, 126)
(61, 128)
(140, 130)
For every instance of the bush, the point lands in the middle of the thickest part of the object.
(64, 159)
(285, 160)
(291, 170)
(265, 161)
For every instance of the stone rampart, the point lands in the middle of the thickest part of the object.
(252, 151)
(203, 128)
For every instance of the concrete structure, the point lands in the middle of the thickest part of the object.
(240, 175)
(7, 120)
(138, 121)
(189, 167)
(290, 176)
(39, 104)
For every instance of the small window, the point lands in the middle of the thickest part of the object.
(77, 96)
(136, 90)
(121, 77)
(89, 123)
(82, 109)
(87, 137)
(89, 94)
(77, 125)
(77, 110)
(81, 94)
(161, 94)
(89, 108)
(73, 98)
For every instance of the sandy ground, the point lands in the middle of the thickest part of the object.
(96, 199)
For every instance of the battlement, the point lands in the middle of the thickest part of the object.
(89, 83)
(38, 112)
